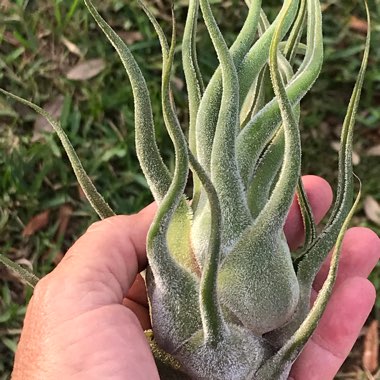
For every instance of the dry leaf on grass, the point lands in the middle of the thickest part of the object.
(11, 39)
(131, 37)
(26, 263)
(55, 254)
(65, 212)
(358, 24)
(81, 193)
(335, 145)
(71, 47)
(355, 156)
(372, 209)
(36, 223)
(41, 125)
(58, 258)
(86, 69)
(371, 347)
(178, 83)
(374, 151)
(5, 4)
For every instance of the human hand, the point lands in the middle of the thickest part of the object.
(76, 326)
(86, 318)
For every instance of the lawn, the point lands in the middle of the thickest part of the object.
(52, 53)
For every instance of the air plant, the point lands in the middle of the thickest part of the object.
(228, 299)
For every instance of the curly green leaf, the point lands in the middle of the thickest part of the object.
(96, 200)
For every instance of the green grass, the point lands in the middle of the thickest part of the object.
(98, 117)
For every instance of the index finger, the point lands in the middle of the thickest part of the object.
(320, 197)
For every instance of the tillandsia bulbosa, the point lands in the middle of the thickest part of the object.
(228, 299)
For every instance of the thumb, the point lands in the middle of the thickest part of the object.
(101, 266)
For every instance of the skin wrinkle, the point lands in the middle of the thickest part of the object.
(101, 281)
(77, 291)
(131, 229)
(104, 274)
(129, 246)
(81, 364)
(60, 324)
(96, 372)
(131, 319)
(319, 340)
(122, 267)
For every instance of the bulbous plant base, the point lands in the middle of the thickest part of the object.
(237, 356)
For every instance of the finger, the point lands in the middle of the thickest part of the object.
(141, 312)
(340, 325)
(137, 292)
(360, 254)
(320, 197)
(102, 265)
(137, 301)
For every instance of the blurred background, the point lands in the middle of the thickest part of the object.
(52, 53)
